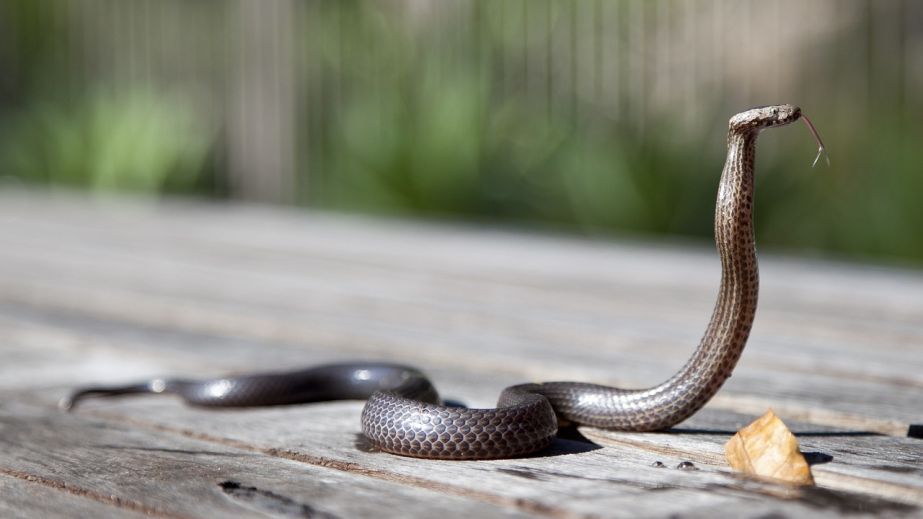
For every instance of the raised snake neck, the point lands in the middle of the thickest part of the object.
(402, 414)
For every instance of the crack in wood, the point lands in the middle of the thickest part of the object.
(915, 430)
(267, 501)
(547, 475)
(108, 499)
(186, 452)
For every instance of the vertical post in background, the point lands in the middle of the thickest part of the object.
(549, 62)
(912, 60)
(633, 71)
(262, 111)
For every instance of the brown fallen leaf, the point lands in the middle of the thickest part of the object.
(767, 448)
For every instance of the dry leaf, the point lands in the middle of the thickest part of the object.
(767, 448)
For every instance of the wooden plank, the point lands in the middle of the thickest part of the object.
(324, 435)
(617, 480)
(506, 318)
(647, 364)
(849, 460)
(771, 397)
(160, 475)
(300, 246)
(116, 294)
(25, 496)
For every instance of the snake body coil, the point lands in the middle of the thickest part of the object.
(402, 414)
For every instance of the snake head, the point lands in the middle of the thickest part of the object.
(763, 117)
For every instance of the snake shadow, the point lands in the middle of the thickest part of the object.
(568, 441)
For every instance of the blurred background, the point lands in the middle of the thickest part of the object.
(595, 117)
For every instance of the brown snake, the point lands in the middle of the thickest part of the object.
(402, 414)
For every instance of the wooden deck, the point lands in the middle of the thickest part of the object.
(116, 292)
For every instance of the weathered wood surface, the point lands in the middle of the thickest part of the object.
(118, 291)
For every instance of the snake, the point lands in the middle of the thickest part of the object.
(403, 413)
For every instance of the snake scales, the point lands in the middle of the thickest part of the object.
(402, 414)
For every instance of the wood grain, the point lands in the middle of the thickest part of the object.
(119, 291)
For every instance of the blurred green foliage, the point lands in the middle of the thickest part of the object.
(136, 140)
(446, 119)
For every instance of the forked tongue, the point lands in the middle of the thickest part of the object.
(821, 149)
